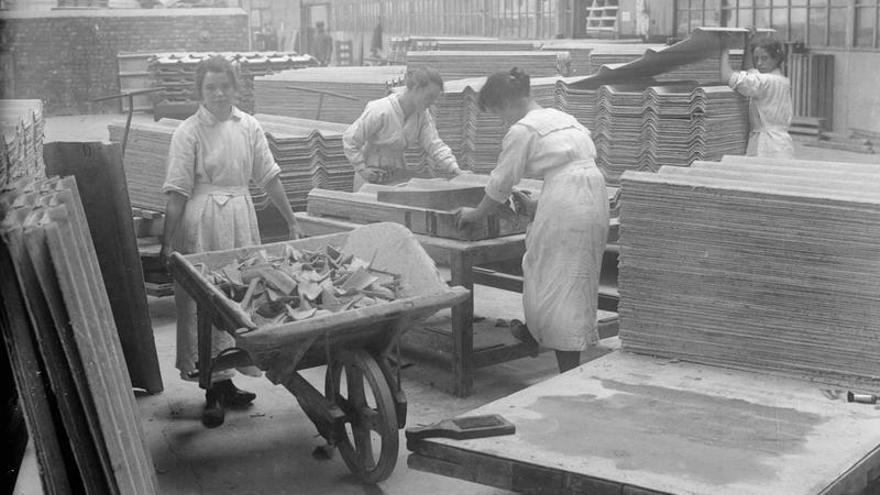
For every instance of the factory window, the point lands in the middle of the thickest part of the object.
(866, 21)
(819, 23)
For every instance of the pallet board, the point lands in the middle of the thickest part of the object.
(766, 265)
(615, 425)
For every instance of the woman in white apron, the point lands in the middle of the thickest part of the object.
(214, 154)
(566, 238)
(375, 143)
(769, 93)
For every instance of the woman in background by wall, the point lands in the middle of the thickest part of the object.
(769, 93)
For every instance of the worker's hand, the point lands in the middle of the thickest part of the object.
(465, 217)
(374, 175)
(294, 231)
(524, 203)
(164, 254)
(753, 31)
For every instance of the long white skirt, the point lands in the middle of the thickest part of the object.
(214, 219)
(563, 259)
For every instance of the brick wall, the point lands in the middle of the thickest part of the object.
(67, 58)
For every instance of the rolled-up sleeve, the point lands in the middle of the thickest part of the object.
(181, 164)
(265, 168)
(511, 167)
(440, 155)
(748, 83)
(355, 138)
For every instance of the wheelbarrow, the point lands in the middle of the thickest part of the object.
(362, 405)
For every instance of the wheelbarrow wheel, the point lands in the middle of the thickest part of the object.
(370, 427)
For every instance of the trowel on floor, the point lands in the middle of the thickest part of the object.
(489, 425)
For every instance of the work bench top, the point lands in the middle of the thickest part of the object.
(626, 423)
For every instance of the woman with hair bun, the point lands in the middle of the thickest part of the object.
(375, 143)
(566, 238)
(769, 93)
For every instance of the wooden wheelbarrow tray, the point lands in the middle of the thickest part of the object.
(354, 344)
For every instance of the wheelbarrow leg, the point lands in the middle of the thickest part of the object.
(205, 327)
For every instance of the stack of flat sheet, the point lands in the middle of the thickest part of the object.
(705, 71)
(310, 155)
(176, 72)
(487, 45)
(755, 263)
(463, 64)
(145, 160)
(616, 53)
(297, 93)
(21, 147)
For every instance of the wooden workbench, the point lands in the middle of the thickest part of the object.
(461, 256)
(632, 424)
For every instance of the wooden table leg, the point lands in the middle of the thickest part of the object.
(205, 327)
(461, 263)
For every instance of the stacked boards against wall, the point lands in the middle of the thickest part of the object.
(21, 146)
(67, 360)
(175, 72)
(332, 94)
(755, 263)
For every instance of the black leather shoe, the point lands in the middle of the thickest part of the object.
(214, 412)
(521, 332)
(232, 396)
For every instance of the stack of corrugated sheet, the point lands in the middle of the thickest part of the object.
(296, 93)
(310, 155)
(463, 64)
(645, 128)
(176, 72)
(475, 136)
(618, 130)
(21, 148)
(754, 263)
(64, 351)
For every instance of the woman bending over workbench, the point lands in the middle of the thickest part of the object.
(566, 239)
(375, 143)
(213, 156)
(769, 93)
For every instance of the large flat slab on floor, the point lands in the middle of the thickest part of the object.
(626, 422)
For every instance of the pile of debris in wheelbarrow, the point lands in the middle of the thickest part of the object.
(302, 284)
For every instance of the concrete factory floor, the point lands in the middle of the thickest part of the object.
(267, 448)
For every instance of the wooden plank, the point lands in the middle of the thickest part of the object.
(61, 373)
(100, 181)
(37, 248)
(618, 419)
(364, 208)
(79, 279)
(448, 199)
(31, 382)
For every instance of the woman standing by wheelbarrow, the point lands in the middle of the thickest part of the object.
(214, 155)
(566, 239)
